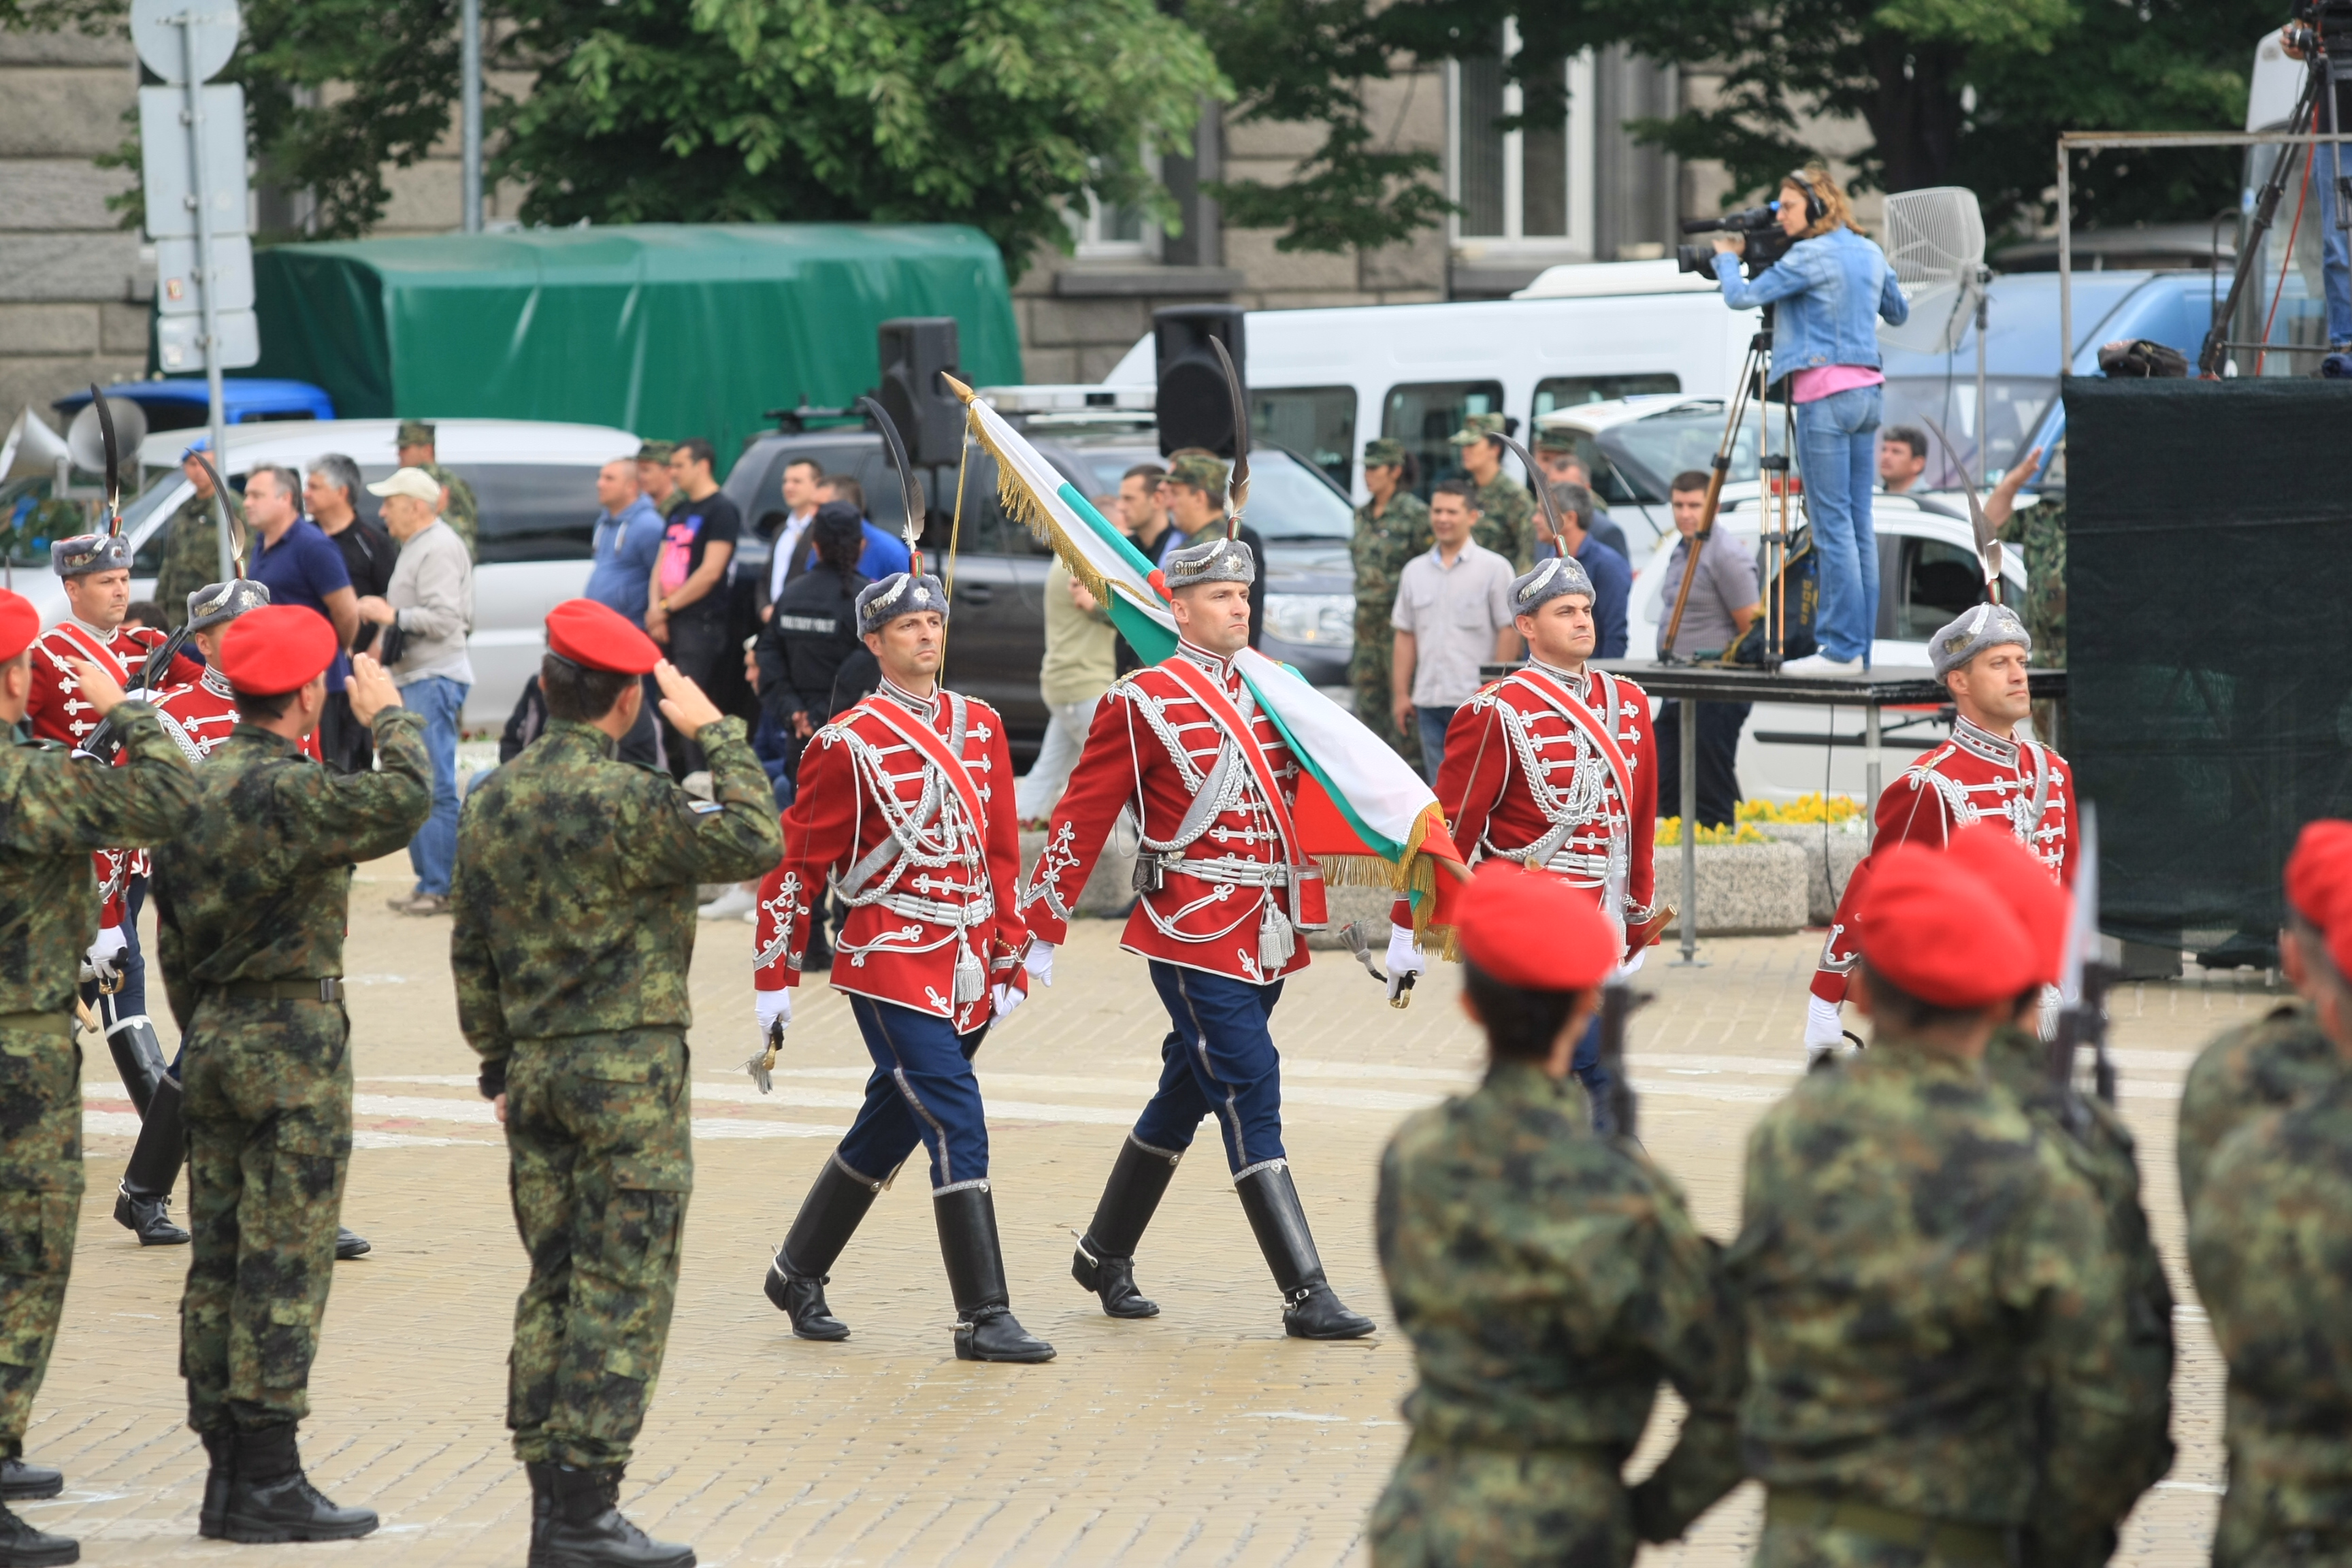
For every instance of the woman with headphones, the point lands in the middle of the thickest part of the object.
(1830, 287)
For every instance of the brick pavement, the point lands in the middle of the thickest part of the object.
(1203, 1435)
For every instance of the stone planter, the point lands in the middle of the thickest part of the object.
(1744, 890)
(1830, 860)
(1109, 891)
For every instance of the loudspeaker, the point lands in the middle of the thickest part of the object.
(1196, 409)
(914, 350)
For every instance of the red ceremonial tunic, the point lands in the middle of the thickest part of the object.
(1524, 780)
(1975, 776)
(198, 718)
(884, 820)
(1221, 899)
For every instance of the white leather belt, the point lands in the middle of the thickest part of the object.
(937, 911)
(1243, 873)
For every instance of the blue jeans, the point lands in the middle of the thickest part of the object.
(438, 700)
(1433, 723)
(1219, 1060)
(1837, 453)
(2335, 261)
(922, 1089)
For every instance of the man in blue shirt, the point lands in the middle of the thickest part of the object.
(303, 566)
(628, 540)
(1612, 577)
(884, 554)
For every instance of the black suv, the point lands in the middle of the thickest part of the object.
(998, 639)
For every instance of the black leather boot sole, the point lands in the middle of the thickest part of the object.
(803, 1300)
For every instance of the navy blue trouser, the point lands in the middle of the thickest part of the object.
(923, 1090)
(1585, 1065)
(1219, 1060)
(131, 1002)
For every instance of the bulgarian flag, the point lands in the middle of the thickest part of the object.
(1366, 817)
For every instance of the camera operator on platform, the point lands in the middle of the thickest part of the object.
(1830, 286)
(2329, 162)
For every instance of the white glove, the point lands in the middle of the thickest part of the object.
(1007, 998)
(1403, 958)
(1039, 962)
(1633, 965)
(772, 1007)
(104, 960)
(1824, 1030)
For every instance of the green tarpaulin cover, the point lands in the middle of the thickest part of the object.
(667, 330)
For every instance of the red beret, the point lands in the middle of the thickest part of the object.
(1530, 930)
(1932, 927)
(2321, 862)
(19, 623)
(2339, 926)
(276, 649)
(600, 638)
(2020, 880)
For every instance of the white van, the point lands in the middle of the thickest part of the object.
(535, 483)
(1324, 381)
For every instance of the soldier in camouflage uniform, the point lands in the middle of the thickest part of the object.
(458, 509)
(2269, 1245)
(575, 901)
(2283, 1058)
(1548, 1277)
(59, 812)
(1935, 1328)
(1391, 529)
(252, 904)
(191, 544)
(1506, 522)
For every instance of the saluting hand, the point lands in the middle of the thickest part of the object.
(96, 685)
(370, 689)
(683, 703)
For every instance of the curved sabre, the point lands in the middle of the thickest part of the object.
(114, 461)
(1238, 485)
(909, 490)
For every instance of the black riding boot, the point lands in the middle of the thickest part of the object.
(986, 1329)
(1310, 1311)
(143, 1207)
(20, 1543)
(138, 1057)
(220, 1450)
(349, 1244)
(581, 1527)
(829, 1216)
(1105, 1261)
(269, 1497)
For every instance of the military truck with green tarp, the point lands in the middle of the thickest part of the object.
(669, 329)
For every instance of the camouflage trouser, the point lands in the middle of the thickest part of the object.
(1448, 1504)
(603, 1159)
(267, 1104)
(40, 1200)
(1369, 670)
(1815, 1546)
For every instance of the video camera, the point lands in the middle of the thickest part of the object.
(1759, 227)
(2327, 22)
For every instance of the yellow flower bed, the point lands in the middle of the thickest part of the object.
(1669, 832)
(1812, 808)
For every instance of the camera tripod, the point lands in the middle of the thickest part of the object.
(2321, 76)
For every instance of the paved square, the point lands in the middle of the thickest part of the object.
(1201, 1437)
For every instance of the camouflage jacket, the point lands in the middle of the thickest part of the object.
(1933, 1324)
(1507, 522)
(2269, 1243)
(57, 812)
(191, 557)
(2040, 530)
(2107, 1161)
(576, 878)
(2278, 1061)
(259, 887)
(461, 514)
(1379, 547)
(1548, 1279)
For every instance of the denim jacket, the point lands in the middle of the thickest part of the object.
(1829, 288)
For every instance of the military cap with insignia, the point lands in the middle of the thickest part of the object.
(1532, 930)
(85, 553)
(1550, 580)
(1986, 626)
(217, 602)
(275, 649)
(1218, 560)
(899, 593)
(597, 636)
(1931, 926)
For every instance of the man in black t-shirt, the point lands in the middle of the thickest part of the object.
(685, 609)
(327, 495)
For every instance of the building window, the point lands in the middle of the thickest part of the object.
(1109, 231)
(1533, 185)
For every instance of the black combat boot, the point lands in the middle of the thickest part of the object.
(1105, 1261)
(143, 1207)
(1310, 1311)
(269, 1498)
(583, 1527)
(829, 1216)
(220, 1450)
(986, 1329)
(349, 1244)
(540, 1473)
(22, 1546)
(22, 1482)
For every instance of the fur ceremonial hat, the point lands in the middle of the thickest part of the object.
(597, 636)
(19, 623)
(217, 602)
(85, 553)
(1987, 626)
(1531, 929)
(276, 649)
(2320, 863)
(1933, 927)
(899, 593)
(2017, 876)
(1214, 560)
(1550, 580)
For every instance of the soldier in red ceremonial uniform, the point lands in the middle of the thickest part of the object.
(1226, 889)
(1556, 765)
(1985, 772)
(905, 808)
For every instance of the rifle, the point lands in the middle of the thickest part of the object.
(2082, 990)
(1619, 1002)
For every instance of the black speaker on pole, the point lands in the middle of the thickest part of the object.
(1195, 406)
(914, 350)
